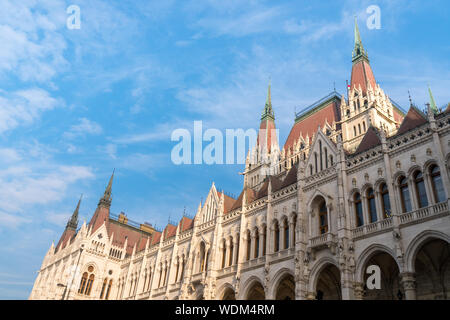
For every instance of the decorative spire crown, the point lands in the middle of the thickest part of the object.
(106, 199)
(268, 111)
(358, 51)
(73, 221)
(432, 102)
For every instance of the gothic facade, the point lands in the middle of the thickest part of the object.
(358, 183)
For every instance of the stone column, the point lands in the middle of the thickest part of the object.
(291, 234)
(408, 281)
(358, 290)
(261, 241)
(236, 249)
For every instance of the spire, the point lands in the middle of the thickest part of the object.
(73, 221)
(432, 102)
(358, 51)
(268, 111)
(106, 199)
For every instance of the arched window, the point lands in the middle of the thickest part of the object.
(404, 194)
(90, 282)
(86, 281)
(358, 210)
(108, 290)
(286, 233)
(105, 282)
(436, 182)
(249, 244)
(323, 218)
(315, 161)
(224, 253)
(359, 128)
(331, 159)
(230, 258)
(421, 193)
(310, 169)
(326, 158)
(264, 241)
(385, 203)
(371, 205)
(364, 126)
(320, 151)
(276, 237)
(354, 130)
(256, 243)
(83, 283)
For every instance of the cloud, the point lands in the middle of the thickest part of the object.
(24, 107)
(12, 221)
(83, 128)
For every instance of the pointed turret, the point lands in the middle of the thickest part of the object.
(432, 102)
(267, 136)
(106, 199)
(362, 75)
(358, 50)
(73, 221)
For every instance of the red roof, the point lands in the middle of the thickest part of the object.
(361, 75)
(156, 237)
(267, 133)
(291, 177)
(308, 125)
(66, 238)
(228, 202)
(413, 119)
(124, 232)
(170, 231)
(250, 194)
(186, 223)
(369, 140)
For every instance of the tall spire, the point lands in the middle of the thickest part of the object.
(268, 111)
(358, 51)
(73, 221)
(432, 102)
(106, 199)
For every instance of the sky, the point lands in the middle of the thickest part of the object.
(77, 103)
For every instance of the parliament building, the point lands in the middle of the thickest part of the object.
(358, 183)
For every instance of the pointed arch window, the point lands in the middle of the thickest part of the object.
(436, 183)
(421, 193)
(87, 281)
(108, 291)
(404, 194)
(323, 218)
(286, 233)
(326, 158)
(320, 150)
(385, 201)
(276, 237)
(249, 244)
(256, 243)
(358, 209)
(315, 161)
(371, 205)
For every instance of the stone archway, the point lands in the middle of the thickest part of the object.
(328, 285)
(229, 294)
(286, 288)
(390, 284)
(432, 270)
(256, 292)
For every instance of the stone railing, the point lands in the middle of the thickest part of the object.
(423, 213)
(197, 277)
(321, 240)
(385, 224)
(227, 270)
(254, 262)
(159, 291)
(175, 286)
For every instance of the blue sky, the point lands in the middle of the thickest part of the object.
(74, 104)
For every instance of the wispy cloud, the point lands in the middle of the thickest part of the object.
(83, 128)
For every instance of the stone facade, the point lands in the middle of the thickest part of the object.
(369, 187)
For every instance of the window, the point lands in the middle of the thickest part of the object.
(323, 218)
(86, 282)
(358, 210)
(224, 253)
(264, 242)
(364, 126)
(256, 243)
(277, 238)
(108, 290)
(371, 205)
(315, 160)
(105, 282)
(385, 203)
(249, 244)
(359, 128)
(404, 194)
(321, 162)
(331, 159)
(230, 262)
(436, 182)
(421, 193)
(286, 234)
(326, 158)
(354, 130)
